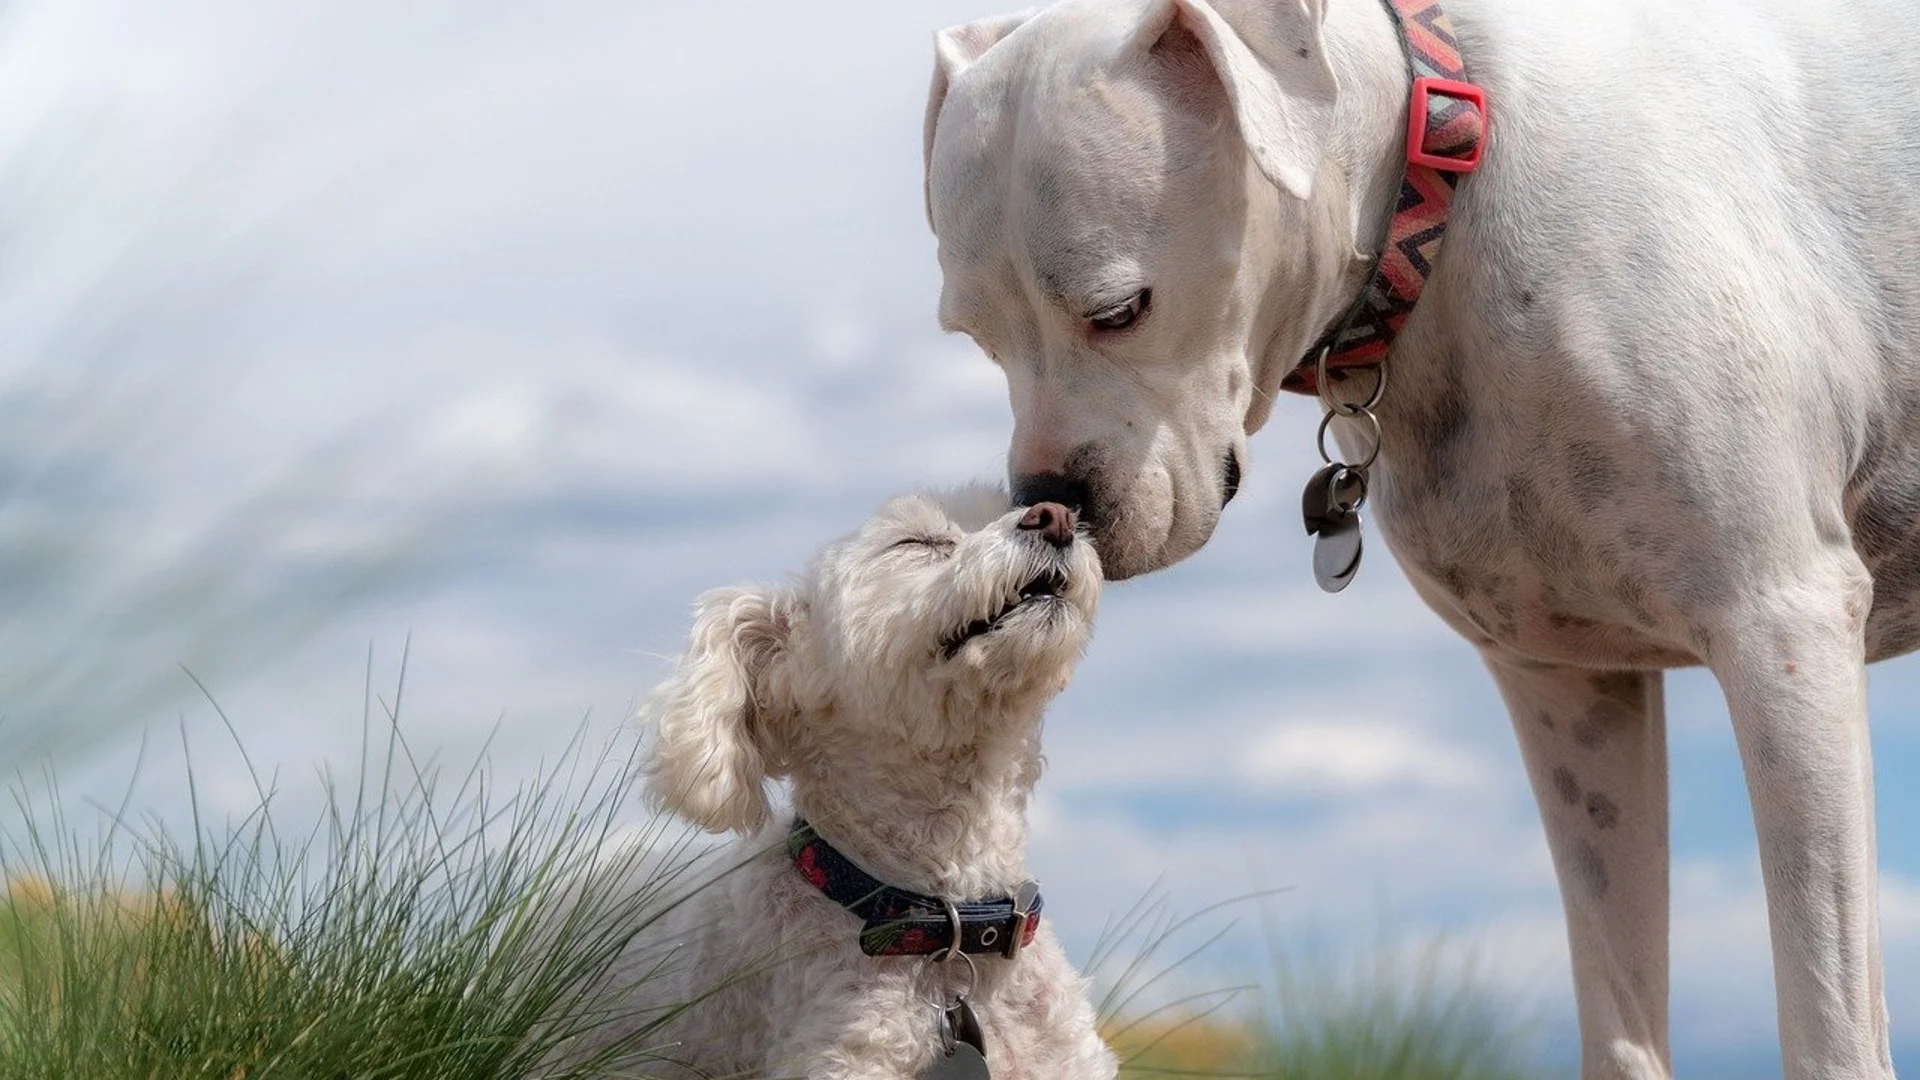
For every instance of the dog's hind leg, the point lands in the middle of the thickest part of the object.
(1595, 749)
(1791, 660)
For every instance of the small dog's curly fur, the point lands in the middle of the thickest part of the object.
(900, 686)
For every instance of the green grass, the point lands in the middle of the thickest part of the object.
(1401, 1011)
(408, 931)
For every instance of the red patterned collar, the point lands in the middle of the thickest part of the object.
(903, 923)
(1446, 132)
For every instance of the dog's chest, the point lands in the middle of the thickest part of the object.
(1532, 534)
(1534, 550)
(1512, 579)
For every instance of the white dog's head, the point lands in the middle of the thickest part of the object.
(939, 616)
(1135, 224)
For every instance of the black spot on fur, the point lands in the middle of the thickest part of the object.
(1561, 621)
(1566, 784)
(1602, 810)
(1591, 868)
(1591, 475)
(1437, 422)
(1624, 687)
(1602, 722)
(1549, 541)
(1526, 298)
(1699, 581)
(1509, 618)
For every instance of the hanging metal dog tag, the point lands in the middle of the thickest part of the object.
(963, 1056)
(1334, 522)
(1336, 555)
(1316, 502)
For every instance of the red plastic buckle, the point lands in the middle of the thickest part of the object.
(1417, 124)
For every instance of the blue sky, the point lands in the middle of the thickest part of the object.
(511, 327)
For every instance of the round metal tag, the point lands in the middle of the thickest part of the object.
(964, 1063)
(1336, 554)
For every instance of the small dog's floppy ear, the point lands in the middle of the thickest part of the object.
(954, 50)
(1273, 63)
(719, 718)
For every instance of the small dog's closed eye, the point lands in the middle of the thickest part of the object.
(898, 686)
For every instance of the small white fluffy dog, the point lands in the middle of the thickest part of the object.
(900, 686)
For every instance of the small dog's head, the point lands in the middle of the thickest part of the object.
(938, 617)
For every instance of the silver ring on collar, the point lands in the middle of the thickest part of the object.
(948, 999)
(1347, 478)
(1325, 386)
(945, 956)
(1364, 416)
(953, 946)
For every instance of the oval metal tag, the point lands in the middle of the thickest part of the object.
(964, 1063)
(1336, 554)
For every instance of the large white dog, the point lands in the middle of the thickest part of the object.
(1656, 407)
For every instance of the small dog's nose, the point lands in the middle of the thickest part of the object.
(1052, 521)
(1033, 488)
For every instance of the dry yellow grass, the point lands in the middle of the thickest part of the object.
(1206, 1047)
(30, 894)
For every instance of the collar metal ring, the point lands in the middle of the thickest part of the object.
(953, 943)
(1372, 435)
(947, 1000)
(1340, 481)
(1325, 385)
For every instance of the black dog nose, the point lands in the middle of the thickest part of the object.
(1052, 521)
(1051, 488)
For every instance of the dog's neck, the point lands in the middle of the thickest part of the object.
(1368, 151)
(1370, 119)
(1355, 191)
(948, 820)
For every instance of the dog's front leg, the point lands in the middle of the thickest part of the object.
(1595, 749)
(1792, 664)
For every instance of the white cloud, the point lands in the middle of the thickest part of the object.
(1355, 757)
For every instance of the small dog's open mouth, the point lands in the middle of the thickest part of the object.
(1042, 588)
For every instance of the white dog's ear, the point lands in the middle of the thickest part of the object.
(954, 50)
(1273, 62)
(720, 719)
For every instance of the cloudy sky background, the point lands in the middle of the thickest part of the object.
(510, 327)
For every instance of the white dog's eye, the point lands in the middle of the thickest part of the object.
(932, 543)
(1122, 315)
